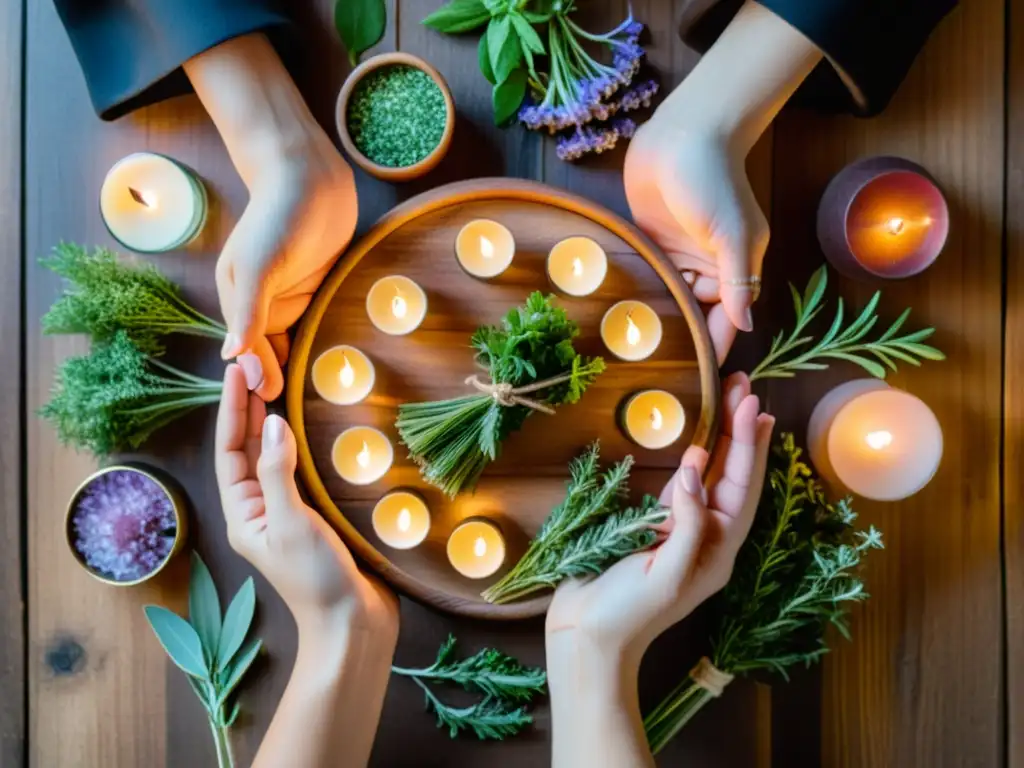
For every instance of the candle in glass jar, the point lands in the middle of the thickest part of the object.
(151, 203)
(577, 266)
(875, 441)
(401, 519)
(343, 375)
(631, 330)
(362, 455)
(653, 419)
(476, 548)
(396, 305)
(484, 248)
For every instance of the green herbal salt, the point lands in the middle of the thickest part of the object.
(396, 115)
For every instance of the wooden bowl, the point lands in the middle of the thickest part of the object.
(518, 490)
(387, 173)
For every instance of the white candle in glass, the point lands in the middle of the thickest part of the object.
(476, 548)
(362, 455)
(577, 266)
(396, 305)
(151, 203)
(343, 375)
(631, 330)
(484, 248)
(401, 519)
(653, 419)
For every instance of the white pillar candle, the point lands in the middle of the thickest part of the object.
(151, 204)
(653, 419)
(476, 548)
(484, 248)
(362, 455)
(577, 266)
(396, 305)
(401, 519)
(875, 441)
(343, 375)
(631, 330)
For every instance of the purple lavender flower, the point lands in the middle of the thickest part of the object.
(124, 525)
(636, 96)
(596, 139)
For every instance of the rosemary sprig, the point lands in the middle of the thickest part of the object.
(790, 353)
(489, 719)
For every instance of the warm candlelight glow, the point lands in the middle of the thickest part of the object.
(632, 331)
(347, 374)
(486, 247)
(480, 547)
(396, 305)
(656, 419)
(879, 439)
(476, 548)
(363, 457)
(145, 197)
(653, 418)
(404, 520)
(895, 225)
(399, 306)
(401, 519)
(577, 267)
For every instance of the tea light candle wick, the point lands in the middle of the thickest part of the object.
(347, 373)
(878, 440)
(404, 521)
(577, 267)
(399, 306)
(480, 547)
(632, 331)
(895, 225)
(363, 457)
(656, 419)
(143, 197)
(486, 247)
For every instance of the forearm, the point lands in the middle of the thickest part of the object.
(742, 82)
(329, 713)
(595, 707)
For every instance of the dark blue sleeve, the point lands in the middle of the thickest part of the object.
(131, 51)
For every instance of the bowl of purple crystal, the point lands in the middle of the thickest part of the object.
(124, 524)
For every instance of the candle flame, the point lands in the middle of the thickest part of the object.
(895, 225)
(632, 331)
(878, 440)
(480, 547)
(486, 247)
(348, 373)
(577, 267)
(656, 419)
(399, 306)
(363, 457)
(143, 197)
(404, 520)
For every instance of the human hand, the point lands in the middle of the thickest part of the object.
(287, 541)
(622, 611)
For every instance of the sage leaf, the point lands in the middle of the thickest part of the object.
(237, 621)
(238, 669)
(527, 34)
(360, 24)
(204, 608)
(506, 99)
(179, 640)
(503, 48)
(484, 60)
(458, 16)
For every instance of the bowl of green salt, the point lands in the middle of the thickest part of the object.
(395, 116)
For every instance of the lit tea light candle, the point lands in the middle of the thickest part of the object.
(653, 419)
(577, 266)
(484, 248)
(151, 203)
(631, 330)
(362, 455)
(343, 375)
(396, 305)
(401, 519)
(883, 217)
(476, 548)
(875, 441)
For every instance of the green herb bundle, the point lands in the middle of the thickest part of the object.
(211, 649)
(791, 353)
(506, 685)
(115, 397)
(796, 575)
(585, 534)
(105, 295)
(532, 365)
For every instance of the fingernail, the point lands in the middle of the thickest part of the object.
(691, 481)
(231, 346)
(273, 432)
(748, 320)
(689, 277)
(253, 370)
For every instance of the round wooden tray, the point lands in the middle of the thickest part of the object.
(518, 490)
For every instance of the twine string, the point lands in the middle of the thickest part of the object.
(709, 677)
(506, 395)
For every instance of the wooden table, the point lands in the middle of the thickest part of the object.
(935, 676)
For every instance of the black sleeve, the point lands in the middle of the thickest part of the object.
(131, 51)
(869, 44)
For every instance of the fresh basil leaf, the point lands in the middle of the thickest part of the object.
(507, 96)
(245, 659)
(484, 60)
(503, 48)
(204, 608)
(360, 24)
(458, 16)
(179, 640)
(237, 621)
(527, 34)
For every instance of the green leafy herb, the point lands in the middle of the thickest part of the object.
(197, 650)
(585, 534)
(458, 16)
(507, 687)
(360, 24)
(454, 440)
(508, 96)
(105, 295)
(117, 396)
(791, 353)
(795, 576)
